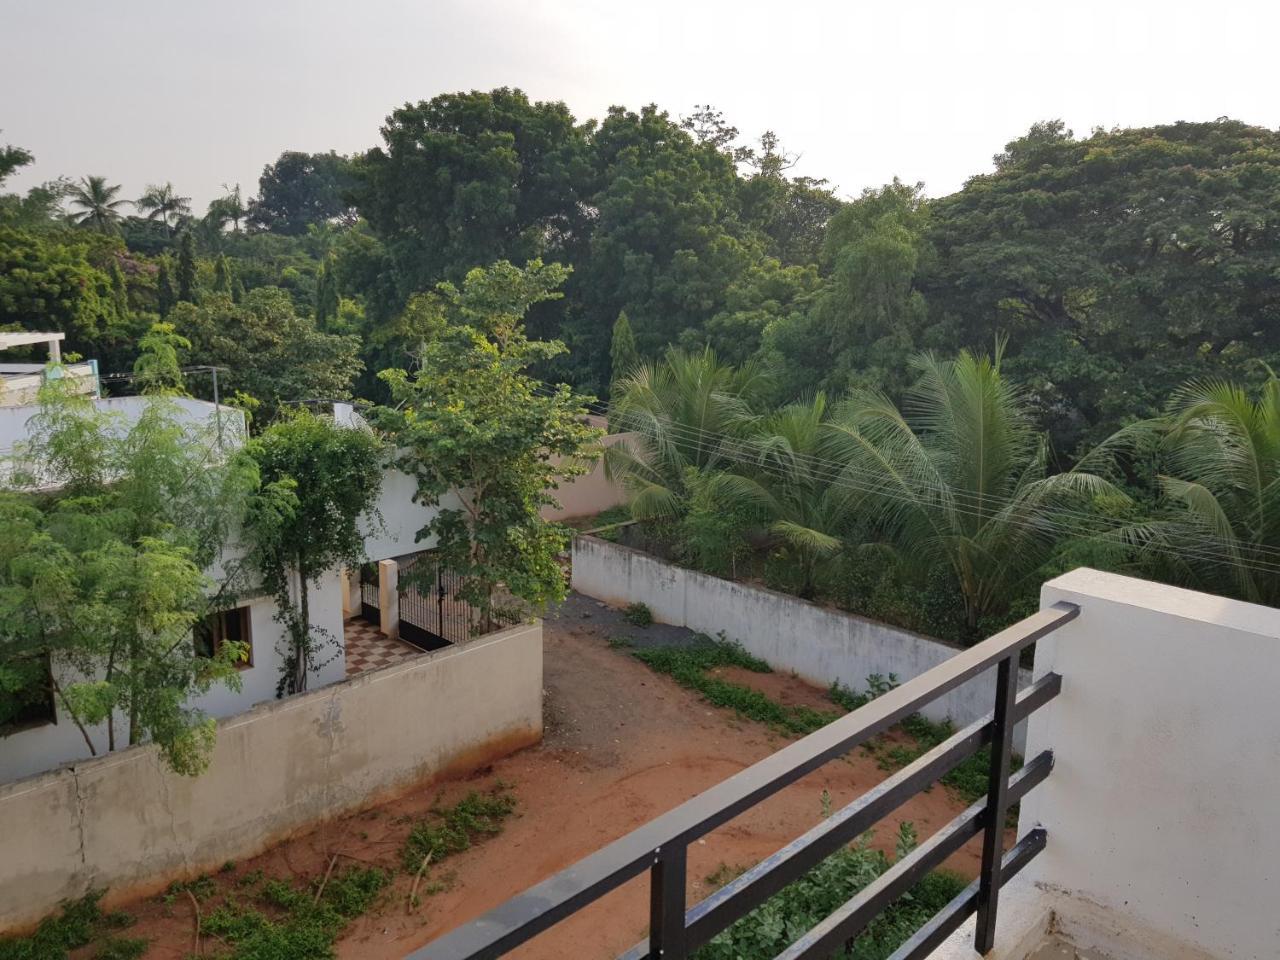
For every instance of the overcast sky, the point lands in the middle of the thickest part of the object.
(205, 93)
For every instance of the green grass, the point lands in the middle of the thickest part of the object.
(690, 667)
(79, 924)
(453, 829)
(286, 922)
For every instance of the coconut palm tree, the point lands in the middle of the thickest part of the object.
(96, 204)
(161, 202)
(960, 476)
(785, 479)
(1220, 450)
(679, 411)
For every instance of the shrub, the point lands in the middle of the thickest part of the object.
(638, 615)
(454, 829)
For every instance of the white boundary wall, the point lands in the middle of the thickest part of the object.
(126, 822)
(819, 644)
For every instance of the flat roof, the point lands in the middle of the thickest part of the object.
(23, 338)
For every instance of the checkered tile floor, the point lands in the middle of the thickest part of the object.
(367, 649)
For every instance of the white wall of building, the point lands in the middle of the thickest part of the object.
(1161, 810)
(39, 748)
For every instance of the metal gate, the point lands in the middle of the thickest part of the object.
(370, 608)
(431, 613)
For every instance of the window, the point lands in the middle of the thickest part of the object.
(217, 628)
(31, 703)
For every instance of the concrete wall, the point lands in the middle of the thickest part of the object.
(44, 747)
(125, 822)
(592, 492)
(819, 644)
(1161, 808)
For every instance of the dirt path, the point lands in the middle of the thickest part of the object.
(622, 745)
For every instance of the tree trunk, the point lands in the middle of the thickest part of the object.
(304, 637)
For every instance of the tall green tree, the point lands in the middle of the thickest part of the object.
(623, 356)
(161, 202)
(187, 272)
(471, 421)
(327, 299)
(97, 203)
(301, 190)
(318, 480)
(268, 351)
(166, 296)
(1120, 264)
(222, 275)
(468, 178)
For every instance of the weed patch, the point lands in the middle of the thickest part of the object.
(638, 615)
(454, 829)
(771, 927)
(80, 923)
(690, 667)
(284, 921)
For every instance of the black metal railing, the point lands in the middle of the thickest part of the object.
(370, 605)
(660, 846)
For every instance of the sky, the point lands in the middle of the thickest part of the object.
(204, 94)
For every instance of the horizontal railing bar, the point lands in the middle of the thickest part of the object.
(743, 894)
(851, 918)
(590, 878)
(965, 904)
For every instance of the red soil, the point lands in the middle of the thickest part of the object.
(622, 745)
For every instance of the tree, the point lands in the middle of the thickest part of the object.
(300, 190)
(960, 481)
(186, 273)
(157, 368)
(267, 350)
(468, 178)
(327, 299)
(666, 242)
(166, 297)
(472, 422)
(226, 209)
(1219, 450)
(222, 275)
(103, 579)
(680, 410)
(97, 204)
(13, 158)
(623, 357)
(162, 202)
(318, 480)
(49, 285)
(1120, 265)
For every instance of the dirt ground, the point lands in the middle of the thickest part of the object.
(621, 746)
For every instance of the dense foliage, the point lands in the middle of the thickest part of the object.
(1111, 272)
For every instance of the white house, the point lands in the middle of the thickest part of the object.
(48, 738)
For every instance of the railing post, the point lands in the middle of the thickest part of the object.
(667, 904)
(997, 803)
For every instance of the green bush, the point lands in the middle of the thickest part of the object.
(774, 925)
(638, 615)
(454, 829)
